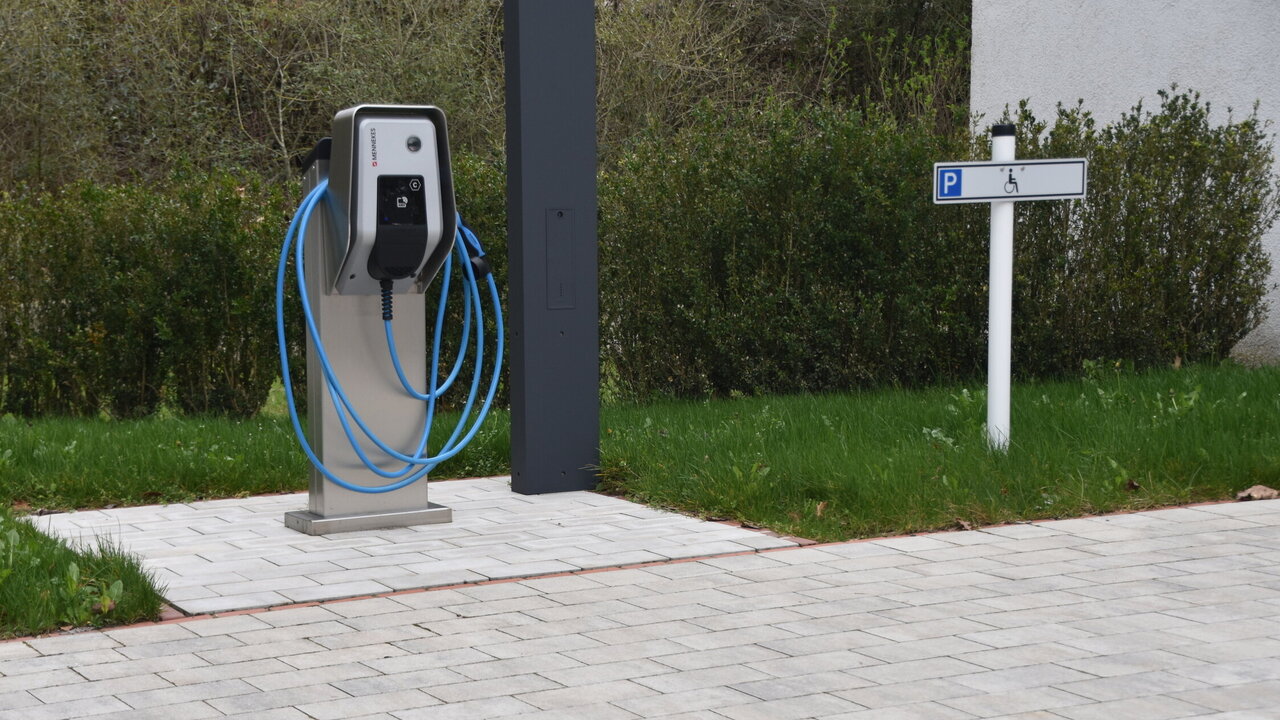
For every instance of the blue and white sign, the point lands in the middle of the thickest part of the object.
(949, 183)
(1013, 180)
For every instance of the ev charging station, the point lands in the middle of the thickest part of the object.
(378, 222)
(376, 227)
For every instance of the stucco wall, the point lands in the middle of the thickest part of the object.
(1113, 53)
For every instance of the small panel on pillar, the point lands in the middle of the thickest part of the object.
(560, 285)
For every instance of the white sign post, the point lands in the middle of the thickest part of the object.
(1002, 182)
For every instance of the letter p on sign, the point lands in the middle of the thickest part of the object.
(949, 182)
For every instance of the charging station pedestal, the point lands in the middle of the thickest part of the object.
(352, 331)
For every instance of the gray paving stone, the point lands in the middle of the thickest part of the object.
(44, 664)
(128, 684)
(554, 667)
(123, 668)
(949, 627)
(912, 670)
(1149, 708)
(819, 662)
(258, 651)
(1233, 673)
(584, 625)
(13, 650)
(286, 713)
(470, 710)
(895, 652)
(700, 659)
(887, 695)
(185, 693)
(380, 635)
(1129, 663)
(1230, 651)
(1026, 676)
(1263, 695)
(186, 711)
(779, 688)
(293, 678)
(641, 632)
(796, 708)
(59, 644)
(216, 603)
(91, 707)
(422, 618)
(728, 638)
(1032, 634)
(623, 651)
(701, 679)
(33, 681)
(593, 711)
(667, 703)
(602, 692)
(987, 705)
(293, 633)
(304, 661)
(343, 708)
(499, 687)
(282, 702)
(384, 683)
(230, 671)
(916, 711)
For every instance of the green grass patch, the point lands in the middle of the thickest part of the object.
(845, 466)
(65, 463)
(827, 467)
(46, 585)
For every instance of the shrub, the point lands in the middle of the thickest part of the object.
(219, 245)
(1163, 262)
(119, 291)
(83, 294)
(790, 250)
(796, 249)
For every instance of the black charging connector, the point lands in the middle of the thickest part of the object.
(386, 284)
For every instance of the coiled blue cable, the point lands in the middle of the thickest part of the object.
(416, 465)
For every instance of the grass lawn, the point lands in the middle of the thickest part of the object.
(46, 585)
(65, 464)
(822, 466)
(888, 462)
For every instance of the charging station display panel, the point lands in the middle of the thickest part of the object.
(396, 186)
(401, 201)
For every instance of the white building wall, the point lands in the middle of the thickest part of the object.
(1113, 53)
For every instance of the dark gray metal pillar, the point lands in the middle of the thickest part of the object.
(551, 241)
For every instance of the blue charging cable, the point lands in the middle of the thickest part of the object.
(471, 258)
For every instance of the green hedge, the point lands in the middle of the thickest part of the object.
(1163, 262)
(121, 295)
(797, 249)
(792, 249)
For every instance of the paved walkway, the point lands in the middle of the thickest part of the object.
(236, 554)
(1163, 614)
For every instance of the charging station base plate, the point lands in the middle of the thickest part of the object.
(305, 521)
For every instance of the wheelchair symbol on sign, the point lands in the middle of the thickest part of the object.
(1011, 185)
